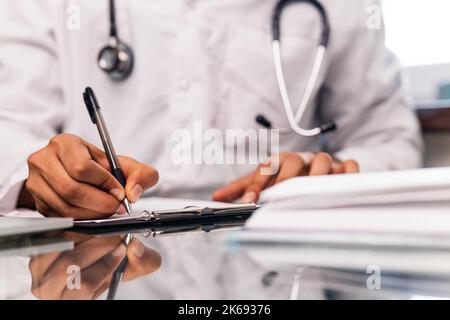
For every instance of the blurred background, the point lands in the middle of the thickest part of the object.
(416, 32)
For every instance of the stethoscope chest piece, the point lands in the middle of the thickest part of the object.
(117, 61)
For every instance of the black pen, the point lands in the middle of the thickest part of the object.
(96, 116)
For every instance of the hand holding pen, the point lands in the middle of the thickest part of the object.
(131, 193)
(97, 118)
(71, 178)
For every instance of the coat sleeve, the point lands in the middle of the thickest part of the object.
(364, 94)
(30, 94)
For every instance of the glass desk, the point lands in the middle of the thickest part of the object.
(201, 262)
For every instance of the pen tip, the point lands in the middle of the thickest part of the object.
(127, 206)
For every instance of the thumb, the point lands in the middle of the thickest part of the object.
(142, 260)
(140, 177)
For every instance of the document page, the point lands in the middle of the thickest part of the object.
(409, 203)
(422, 185)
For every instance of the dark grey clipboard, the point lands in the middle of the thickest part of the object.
(173, 217)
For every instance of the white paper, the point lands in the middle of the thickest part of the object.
(402, 203)
(425, 220)
(423, 185)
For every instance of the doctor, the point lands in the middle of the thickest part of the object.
(194, 61)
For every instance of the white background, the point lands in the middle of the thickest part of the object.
(418, 31)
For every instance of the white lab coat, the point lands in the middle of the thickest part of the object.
(199, 60)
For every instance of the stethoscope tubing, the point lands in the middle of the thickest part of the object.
(121, 68)
(295, 119)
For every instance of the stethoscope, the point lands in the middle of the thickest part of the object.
(117, 60)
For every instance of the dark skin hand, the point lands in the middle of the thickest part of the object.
(97, 258)
(249, 188)
(71, 178)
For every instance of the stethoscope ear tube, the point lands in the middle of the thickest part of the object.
(294, 120)
(276, 18)
(117, 58)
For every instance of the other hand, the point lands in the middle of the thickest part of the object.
(291, 164)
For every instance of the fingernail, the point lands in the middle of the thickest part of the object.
(138, 249)
(136, 193)
(249, 197)
(120, 251)
(121, 210)
(267, 162)
(118, 194)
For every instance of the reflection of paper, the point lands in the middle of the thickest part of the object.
(353, 258)
(32, 246)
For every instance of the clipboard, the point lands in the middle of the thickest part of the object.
(172, 217)
(157, 231)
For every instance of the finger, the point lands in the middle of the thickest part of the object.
(105, 286)
(45, 209)
(38, 266)
(292, 167)
(50, 204)
(237, 189)
(351, 166)
(140, 177)
(337, 167)
(233, 191)
(90, 172)
(87, 253)
(141, 260)
(94, 276)
(78, 194)
(99, 156)
(258, 183)
(86, 163)
(77, 238)
(82, 257)
(321, 164)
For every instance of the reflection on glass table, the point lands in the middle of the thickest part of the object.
(85, 272)
(200, 262)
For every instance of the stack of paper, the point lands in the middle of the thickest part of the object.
(403, 207)
(394, 187)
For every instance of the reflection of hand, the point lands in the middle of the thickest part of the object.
(96, 258)
(291, 165)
